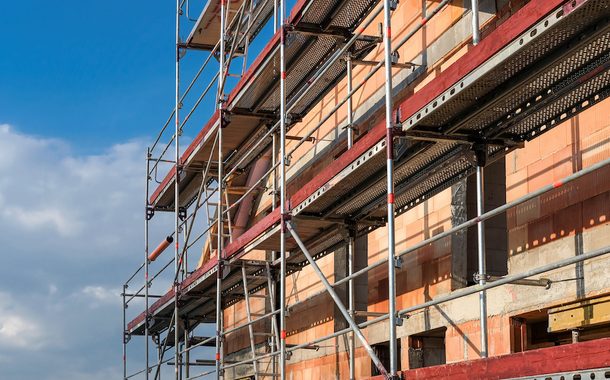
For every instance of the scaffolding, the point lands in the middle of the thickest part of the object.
(539, 67)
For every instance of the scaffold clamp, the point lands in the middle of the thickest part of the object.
(150, 212)
(398, 262)
(399, 321)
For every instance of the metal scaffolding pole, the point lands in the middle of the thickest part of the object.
(350, 243)
(249, 319)
(124, 341)
(481, 258)
(146, 263)
(387, 45)
(350, 114)
(187, 352)
(337, 301)
(283, 208)
(476, 33)
(177, 194)
(219, 219)
(352, 306)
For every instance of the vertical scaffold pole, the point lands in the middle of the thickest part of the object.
(351, 305)
(476, 33)
(177, 196)
(350, 115)
(482, 271)
(350, 243)
(387, 44)
(283, 209)
(146, 217)
(124, 334)
(187, 354)
(219, 208)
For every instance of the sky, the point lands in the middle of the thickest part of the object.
(84, 88)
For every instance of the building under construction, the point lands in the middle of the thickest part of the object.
(386, 189)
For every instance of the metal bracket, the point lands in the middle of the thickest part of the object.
(478, 277)
(395, 56)
(480, 153)
(150, 321)
(182, 213)
(150, 212)
(399, 321)
(398, 262)
(393, 5)
(225, 117)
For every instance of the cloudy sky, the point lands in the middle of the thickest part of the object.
(83, 88)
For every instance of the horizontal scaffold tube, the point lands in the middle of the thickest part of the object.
(446, 298)
(468, 291)
(469, 223)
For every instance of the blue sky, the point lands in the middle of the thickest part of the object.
(93, 73)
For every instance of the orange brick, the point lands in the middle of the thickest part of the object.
(555, 140)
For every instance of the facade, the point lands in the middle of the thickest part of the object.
(497, 150)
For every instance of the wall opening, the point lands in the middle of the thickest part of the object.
(427, 349)
(382, 350)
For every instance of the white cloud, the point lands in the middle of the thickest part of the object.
(71, 234)
(35, 219)
(96, 296)
(47, 190)
(18, 328)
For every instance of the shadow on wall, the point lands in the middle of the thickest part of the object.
(570, 209)
(314, 313)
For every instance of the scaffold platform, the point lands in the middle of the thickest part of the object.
(544, 64)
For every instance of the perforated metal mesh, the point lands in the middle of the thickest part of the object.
(338, 13)
(468, 98)
(555, 82)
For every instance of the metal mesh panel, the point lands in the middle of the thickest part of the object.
(548, 79)
(551, 39)
(402, 172)
(337, 13)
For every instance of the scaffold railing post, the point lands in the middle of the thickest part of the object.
(177, 265)
(387, 45)
(146, 264)
(124, 334)
(351, 301)
(350, 114)
(481, 155)
(283, 208)
(219, 208)
(476, 33)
